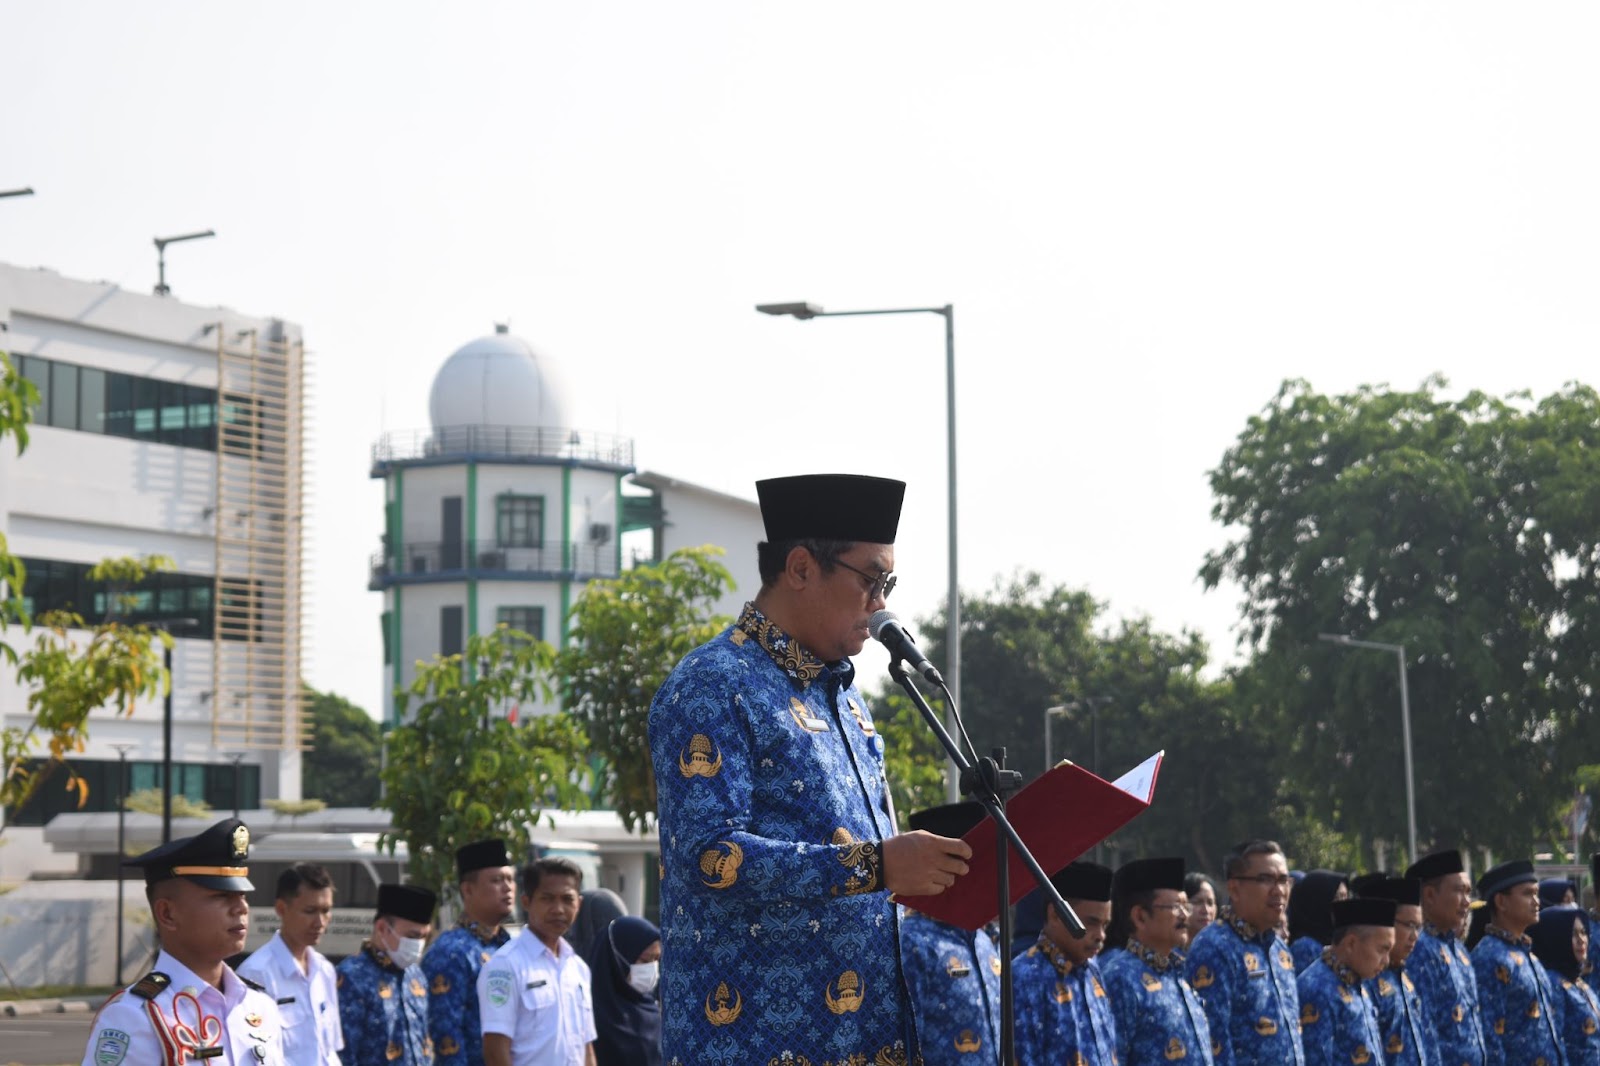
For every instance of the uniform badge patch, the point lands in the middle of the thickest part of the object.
(499, 985)
(111, 1047)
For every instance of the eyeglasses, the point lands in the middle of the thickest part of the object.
(1267, 880)
(1179, 908)
(1410, 927)
(881, 585)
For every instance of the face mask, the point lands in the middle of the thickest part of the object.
(407, 952)
(644, 976)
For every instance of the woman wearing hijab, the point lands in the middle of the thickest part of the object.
(1202, 893)
(625, 966)
(1561, 941)
(1310, 916)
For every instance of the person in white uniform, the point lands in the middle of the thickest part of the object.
(192, 1008)
(295, 973)
(534, 994)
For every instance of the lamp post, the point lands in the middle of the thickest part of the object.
(1093, 703)
(167, 626)
(122, 840)
(804, 311)
(16, 192)
(1058, 711)
(1405, 724)
(161, 256)
(236, 756)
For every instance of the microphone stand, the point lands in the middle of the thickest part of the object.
(989, 782)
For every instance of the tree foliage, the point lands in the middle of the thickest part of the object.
(627, 635)
(460, 769)
(1464, 529)
(341, 769)
(913, 758)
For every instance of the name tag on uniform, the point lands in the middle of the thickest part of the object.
(205, 1052)
(540, 983)
(285, 1000)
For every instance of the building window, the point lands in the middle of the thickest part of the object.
(52, 585)
(529, 620)
(121, 405)
(519, 521)
(451, 638)
(211, 783)
(384, 623)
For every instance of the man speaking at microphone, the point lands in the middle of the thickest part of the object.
(778, 843)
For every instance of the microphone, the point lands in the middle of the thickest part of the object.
(887, 630)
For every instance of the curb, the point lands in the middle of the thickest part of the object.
(29, 1007)
(74, 1006)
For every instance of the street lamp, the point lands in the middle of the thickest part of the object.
(1093, 703)
(236, 756)
(122, 841)
(168, 626)
(161, 256)
(1405, 724)
(804, 311)
(1058, 711)
(16, 192)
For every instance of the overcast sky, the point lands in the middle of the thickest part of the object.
(1147, 215)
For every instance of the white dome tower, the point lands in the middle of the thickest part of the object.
(497, 380)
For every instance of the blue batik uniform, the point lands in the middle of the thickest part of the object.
(1338, 1023)
(451, 967)
(1245, 978)
(1442, 971)
(1408, 1039)
(1159, 1018)
(1577, 1019)
(954, 978)
(1305, 950)
(777, 936)
(1519, 1025)
(383, 1011)
(1593, 920)
(1063, 1016)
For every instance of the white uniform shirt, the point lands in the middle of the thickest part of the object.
(540, 1000)
(183, 1017)
(307, 1002)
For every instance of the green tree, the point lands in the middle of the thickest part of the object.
(460, 769)
(627, 635)
(913, 758)
(341, 769)
(1464, 529)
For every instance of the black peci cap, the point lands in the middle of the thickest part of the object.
(1361, 882)
(831, 507)
(1147, 875)
(215, 859)
(949, 820)
(1438, 864)
(1366, 911)
(1402, 891)
(413, 903)
(1084, 880)
(483, 855)
(1506, 875)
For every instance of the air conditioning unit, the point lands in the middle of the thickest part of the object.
(491, 560)
(599, 533)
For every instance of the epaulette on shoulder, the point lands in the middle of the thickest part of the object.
(151, 985)
(250, 984)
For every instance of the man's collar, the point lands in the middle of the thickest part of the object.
(486, 934)
(1441, 934)
(1156, 960)
(1244, 929)
(792, 658)
(1057, 957)
(1345, 974)
(1516, 940)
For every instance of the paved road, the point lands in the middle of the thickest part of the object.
(43, 1039)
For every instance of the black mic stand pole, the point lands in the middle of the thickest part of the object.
(988, 782)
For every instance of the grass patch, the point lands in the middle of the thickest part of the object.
(56, 992)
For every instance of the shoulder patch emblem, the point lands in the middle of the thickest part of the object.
(151, 985)
(111, 1047)
(700, 762)
(498, 987)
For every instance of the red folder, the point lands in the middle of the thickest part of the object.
(1060, 816)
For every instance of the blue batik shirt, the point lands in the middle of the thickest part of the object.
(1245, 978)
(1514, 997)
(383, 1011)
(1408, 1039)
(451, 967)
(1338, 1023)
(778, 939)
(1442, 971)
(1305, 950)
(1159, 1018)
(1063, 1015)
(1577, 1019)
(954, 978)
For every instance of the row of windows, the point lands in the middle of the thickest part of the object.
(52, 585)
(121, 405)
(203, 782)
(452, 638)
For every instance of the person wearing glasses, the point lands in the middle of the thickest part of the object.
(1338, 1023)
(1159, 1018)
(1514, 991)
(1440, 966)
(1408, 1037)
(1241, 970)
(1062, 1010)
(779, 849)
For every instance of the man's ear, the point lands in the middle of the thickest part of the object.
(799, 568)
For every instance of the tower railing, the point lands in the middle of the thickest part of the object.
(459, 559)
(553, 443)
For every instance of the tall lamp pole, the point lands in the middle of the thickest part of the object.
(16, 192)
(236, 756)
(1059, 711)
(1405, 724)
(162, 289)
(167, 626)
(952, 640)
(122, 840)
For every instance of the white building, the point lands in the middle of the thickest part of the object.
(174, 430)
(502, 511)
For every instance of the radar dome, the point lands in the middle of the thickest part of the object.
(497, 380)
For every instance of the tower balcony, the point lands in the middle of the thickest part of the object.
(444, 561)
(538, 445)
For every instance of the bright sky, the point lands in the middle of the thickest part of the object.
(1146, 215)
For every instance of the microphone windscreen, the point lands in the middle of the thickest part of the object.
(878, 621)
